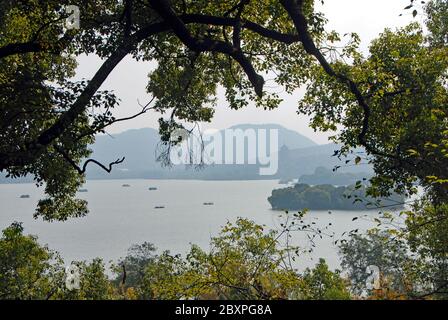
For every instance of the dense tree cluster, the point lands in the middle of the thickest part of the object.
(246, 262)
(328, 197)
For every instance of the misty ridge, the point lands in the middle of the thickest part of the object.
(297, 155)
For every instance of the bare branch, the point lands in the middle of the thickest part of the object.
(145, 108)
(82, 170)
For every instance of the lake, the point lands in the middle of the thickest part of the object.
(121, 216)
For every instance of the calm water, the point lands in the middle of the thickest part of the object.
(120, 216)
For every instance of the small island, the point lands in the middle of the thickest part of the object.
(328, 197)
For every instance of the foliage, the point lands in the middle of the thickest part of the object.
(34, 93)
(404, 84)
(426, 226)
(403, 112)
(27, 269)
(437, 22)
(130, 271)
(323, 284)
(245, 262)
(376, 248)
(199, 46)
(48, 121)
(412, 259)
(393, 102)
(94, 283)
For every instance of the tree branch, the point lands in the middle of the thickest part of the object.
(163, 8)
(245, 24)
(102, 126)
(82, 170)
(295, 11)
(28, 152)
(32, 149)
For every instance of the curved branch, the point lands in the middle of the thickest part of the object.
(295, 11)
(163, 8)
(245, 24)
(82, 170)
(27, 153)
(108, 169)
(102, 126)
(33, 148)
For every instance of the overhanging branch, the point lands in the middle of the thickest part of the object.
(295, 11)
(82, 170)
(163, 8)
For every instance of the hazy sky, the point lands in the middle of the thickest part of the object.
(128, 80)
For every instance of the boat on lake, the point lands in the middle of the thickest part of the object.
(159, 207)
(24, 196)
(126, 185)
(208, 203)
(152, 188)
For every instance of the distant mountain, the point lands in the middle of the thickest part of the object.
(324, 175)
(298, 155)
(136, 145)
(139, 148)
(286, 137)
(297, 162)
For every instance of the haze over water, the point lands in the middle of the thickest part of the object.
(121, 216)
